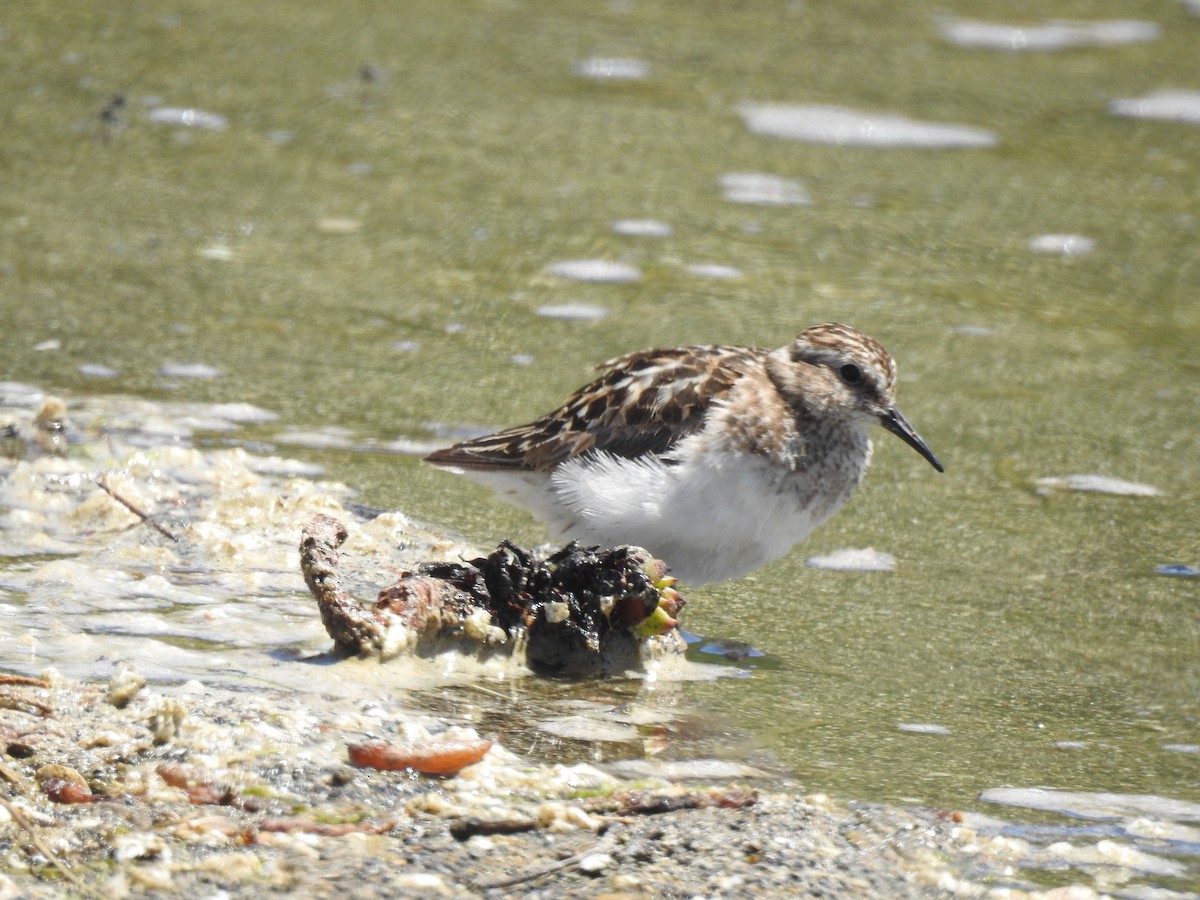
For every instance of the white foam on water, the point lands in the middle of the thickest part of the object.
(597, 271)
(98, 370)
(1168, 105)
(575, 312)
(1062, 244)
(613, 69)
(278, 465)
(188, 117)
(713, 270)
(188, 370)
(761, 189)
(330, 437)
(237, 412)
(821, 124)
(1053, 35)
(642, 228)
(865, 559)
(1095, 805)
(1096, 484)
(923, 728)
(684, 769)
(590, 728)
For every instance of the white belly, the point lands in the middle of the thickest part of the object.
(710, 518)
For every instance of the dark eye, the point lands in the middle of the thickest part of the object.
(851, 374)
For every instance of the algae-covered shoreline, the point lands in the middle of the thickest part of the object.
(253, 794)
(173, 720)
(240, 779)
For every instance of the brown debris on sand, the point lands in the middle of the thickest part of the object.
(579, 611)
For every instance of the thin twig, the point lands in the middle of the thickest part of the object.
(19, 818)
(24, 680)
(533, 874)
(144, 516)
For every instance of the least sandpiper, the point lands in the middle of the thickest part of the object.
(715, 459)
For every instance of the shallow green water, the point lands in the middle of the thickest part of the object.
(472, 157)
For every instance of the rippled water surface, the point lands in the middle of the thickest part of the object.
(390, 225)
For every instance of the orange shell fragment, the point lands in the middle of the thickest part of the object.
(429, 758)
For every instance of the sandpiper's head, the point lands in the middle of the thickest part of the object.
(834, 366)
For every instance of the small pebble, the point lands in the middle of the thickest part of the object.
(125, 684)
(594, 863)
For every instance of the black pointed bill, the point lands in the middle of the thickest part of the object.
(898, 425)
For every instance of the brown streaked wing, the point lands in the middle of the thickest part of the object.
(643, 403)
